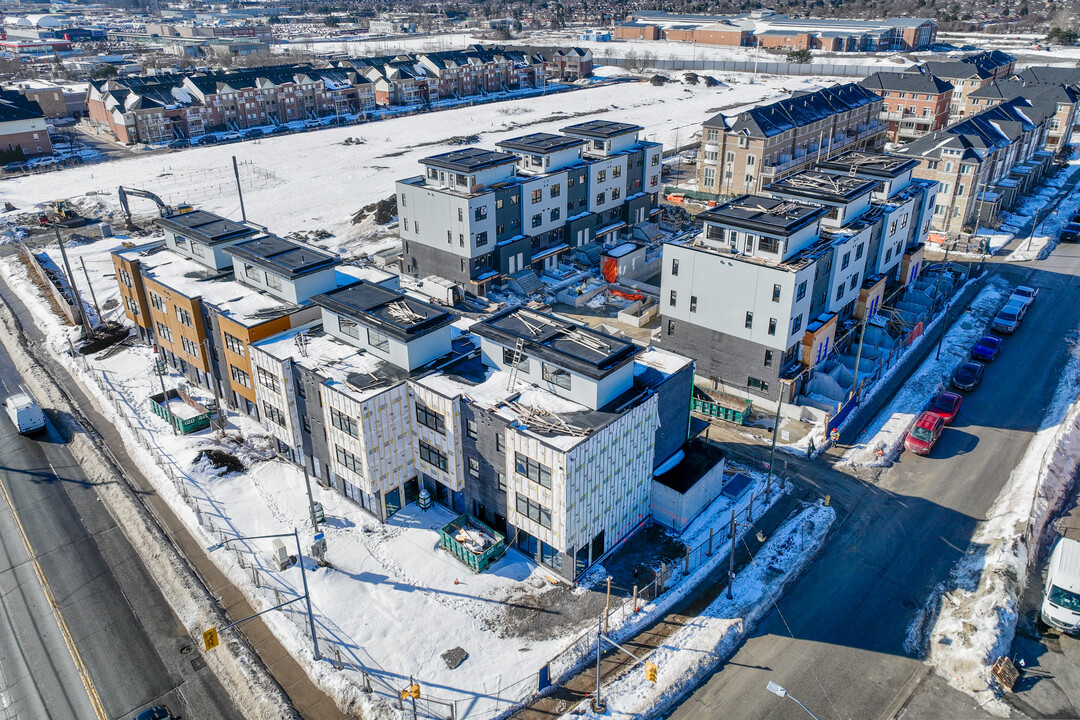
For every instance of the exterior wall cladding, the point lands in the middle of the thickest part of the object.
(721, 357)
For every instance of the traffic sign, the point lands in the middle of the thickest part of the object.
(210, 638)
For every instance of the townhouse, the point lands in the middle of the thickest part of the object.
(966, 75)
(482, 218)
(23, 130)
(1057, 101)
(758, 296)
(916, 104)
(743, 153)
(983, 164)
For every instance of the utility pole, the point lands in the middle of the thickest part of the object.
(307, 594)
(735, 525)
(772, 450)
(93, 297)
(858, 354)
(164, 394)
(239, 191)
(75, 299)
(223, 415)
(1034, 224)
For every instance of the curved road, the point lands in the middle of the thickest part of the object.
(133, 646)
(837, 641)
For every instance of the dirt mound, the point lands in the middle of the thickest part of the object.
(221, 460)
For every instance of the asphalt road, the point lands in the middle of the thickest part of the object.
(836, 641)
(134, 648)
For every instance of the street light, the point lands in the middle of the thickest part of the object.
(781, 692)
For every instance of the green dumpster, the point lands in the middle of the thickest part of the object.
(472, 542)
(188, 416)
(721, 406)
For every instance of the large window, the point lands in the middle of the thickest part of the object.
(432, 456)
(430, 419)
(556, 376)
(348, 327)
(522, 362)
(768, 244)
(378, 341)
(190, 347)
(347, 459)
(164, 332)
(533, 510)
(535, 471)
(273, 413)
(183, 316)
(239, 376)
(253, 273)
(344, 423)
(266, 378)
(158, 302)
(273, 281)
(235, 345)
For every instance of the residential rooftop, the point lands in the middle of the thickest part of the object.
(206, 227)
(758, 213)
(601, 129)
(398, 315)
(285, 257)
(815, 185)
(541, 143)
(875, 164)
(470, 160)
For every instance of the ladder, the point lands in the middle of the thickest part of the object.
(515, 360)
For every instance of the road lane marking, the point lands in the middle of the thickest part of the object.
(84, 675)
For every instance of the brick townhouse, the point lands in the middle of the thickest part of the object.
(967, 75)
(1058, 101)
(983, 164)
(742, 153)
(915, 103)
(23, 130)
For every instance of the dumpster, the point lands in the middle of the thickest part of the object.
(722, 406)
(472, 542)
(188, 416)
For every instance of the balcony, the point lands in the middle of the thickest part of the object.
(828, 150)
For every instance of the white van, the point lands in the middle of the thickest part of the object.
(25, 414)
(1061, 598)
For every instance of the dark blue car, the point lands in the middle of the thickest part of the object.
(967, 376)
(986, 349)
(158, 712)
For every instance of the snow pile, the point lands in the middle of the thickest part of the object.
(706, 640)
(886, 433)
(969, 620)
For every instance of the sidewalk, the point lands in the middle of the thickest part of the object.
(308, 699)
(563, 698)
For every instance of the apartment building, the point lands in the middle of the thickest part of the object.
(916, 104)
(757, 297)
(968, 74)
(482, 218)
(23, 130)
(743, 153)
(1057, 101)
(984, 164)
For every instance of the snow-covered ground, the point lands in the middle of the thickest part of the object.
(886, 433)
(311, 181)
(392, 603)
(970, 619)
(706, 640)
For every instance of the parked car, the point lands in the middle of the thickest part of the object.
(182, 143)
(281, 129)
(1007, 320)
(208, 139)
(1071, 233)
(15, 166)
(1061, 596)
(986, 349)
(254, 133)
(25, 414)
(1024, 294)
(926, 431)
(967, 376)
(158, 712)
(946, 405)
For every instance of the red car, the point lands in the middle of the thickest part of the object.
(946, 405)
(927, 430)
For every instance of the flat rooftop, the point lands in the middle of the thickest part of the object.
(208, 228)
(764, 214)
(541, 143)
(286, 257)
(601, 129)
(875, 164)
(815, 185)
(575, 347)
(470, 160)
(401, 316)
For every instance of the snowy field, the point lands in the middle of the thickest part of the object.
(311, 181)
(887, 431)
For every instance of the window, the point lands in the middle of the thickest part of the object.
(234, 345)
(776, 293)
(533, 510)
(616, 193)
(474, 467)
(670, 327)
(164, 332)
(535, 471)
(753, 382)
(888, 255)
(500, 480)
(266, 378)
(378, 341)
(273, 281)
(555, 214)
(796, 324)
(481, 239)
(858, 251)
(480, 212)
(673, 298)
(253, 273)
(197, 250)
(556, 375)
(181, 241)
(522, 360)
(183, 316)
(839, 291)
(132, 306)
(712, 155)
(556, 190)
(348, 327)
(802, 291)
(601, 176)
(460, 215)
(693, 303)
(537, 196)
(125, 277)
(461, 240)
(571, 182)
(470, 428)
(348, 460)
(616, 172)
(239, 376)
(432, 456)
(499, 204)
(854, 280)
(537, 220)
(712, 135)
(846, 261)
(158, 302)
(274, 414)
(601, 198)
(344, 423)
(674, 266)
(500, 446)
(430, 419)
(749, 320)
(767, 244)
(710, 176)
(772, 326)
(655, 160)
(768, 358)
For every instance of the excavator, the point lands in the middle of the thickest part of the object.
(163, 209)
